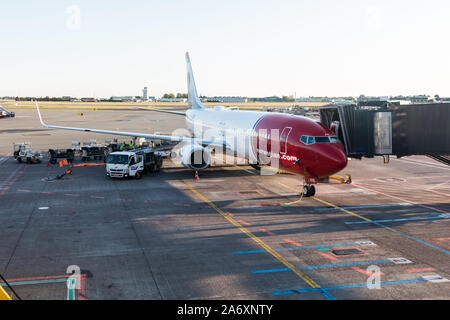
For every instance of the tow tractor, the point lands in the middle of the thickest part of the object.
(132, 163)
(6, 114)
(23, 153)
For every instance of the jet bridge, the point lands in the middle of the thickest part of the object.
(399, 130)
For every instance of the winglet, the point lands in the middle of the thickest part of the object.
(194, 102)
(40, 116)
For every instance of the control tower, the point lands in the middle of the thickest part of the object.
(145, 94)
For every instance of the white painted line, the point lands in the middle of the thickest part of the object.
(435, 278)
(43, 208)
(365, 243)
(437, 166)
(400, 260)
(438, 185)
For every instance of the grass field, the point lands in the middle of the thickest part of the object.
(20, 105)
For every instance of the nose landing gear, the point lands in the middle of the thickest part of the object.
(309, 190)
(308, 187)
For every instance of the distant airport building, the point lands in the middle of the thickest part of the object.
(122, 98)
(88, 100)
(145, 94)
(412, 99)
(172, 100)
(314, 99)
(226, 99)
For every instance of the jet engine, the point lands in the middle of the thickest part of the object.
(195, 157)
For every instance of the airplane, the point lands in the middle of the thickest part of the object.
(291, 143)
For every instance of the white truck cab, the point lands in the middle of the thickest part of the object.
(123, 164)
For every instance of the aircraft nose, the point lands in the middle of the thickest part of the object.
(339, 160)
(333, 161)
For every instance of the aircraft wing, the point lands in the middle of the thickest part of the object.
(220, 144)
(180, 113)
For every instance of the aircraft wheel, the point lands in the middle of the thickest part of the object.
(309, 191)
(306, 191)
(312, 191)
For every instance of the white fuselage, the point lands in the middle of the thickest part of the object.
(234, 127)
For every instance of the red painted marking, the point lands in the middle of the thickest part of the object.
(82, 292)
(368, 273)
(440, 242)
(420, 270)
(327, 256)
(293, 242)
(181, 205)
(16, 175)
(268, 232)
(230, 214)
(244, 223)
(441, 239)
(46, 192)
(97, 197)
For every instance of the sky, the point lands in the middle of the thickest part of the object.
(251, 48)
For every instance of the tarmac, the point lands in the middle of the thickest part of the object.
(232, 234)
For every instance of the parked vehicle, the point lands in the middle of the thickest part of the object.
(54, 154)
(133, 163)
(6, 114)
(23, 153)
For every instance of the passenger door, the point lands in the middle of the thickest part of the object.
(284, 139)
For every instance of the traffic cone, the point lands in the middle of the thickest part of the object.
(196, 176)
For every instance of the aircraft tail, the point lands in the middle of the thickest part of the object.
(194, 101)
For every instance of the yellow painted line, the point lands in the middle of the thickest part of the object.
(265, 246)
(341, 209)
(291, 203)
(330, 204)
(4, 295)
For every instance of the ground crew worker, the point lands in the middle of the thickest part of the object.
(122, 146)
(131, 145)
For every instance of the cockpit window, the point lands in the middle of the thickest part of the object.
(308, 140)
(322, 140)
(334, 140)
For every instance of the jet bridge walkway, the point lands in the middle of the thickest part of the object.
(398, 130)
